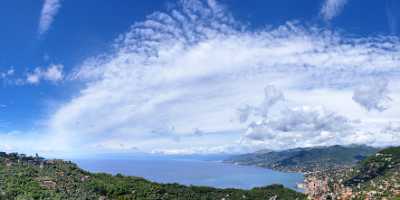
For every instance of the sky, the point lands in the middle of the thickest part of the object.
(197, 76)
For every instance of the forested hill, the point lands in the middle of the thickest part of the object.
(24, 177)
(307, 159)
(380, 172)
(376, 177)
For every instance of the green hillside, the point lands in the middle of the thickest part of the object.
(25, 178)
(307, 159)
(379, 173)
(376, 177)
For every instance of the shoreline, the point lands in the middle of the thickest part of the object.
(217, 181)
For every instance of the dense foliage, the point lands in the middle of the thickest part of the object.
(307, 159)
(26, 178)
(379, 173)
(376, 177)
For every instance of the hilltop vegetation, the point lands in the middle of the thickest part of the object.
(24, 178)
(307, 159)
(376, 177)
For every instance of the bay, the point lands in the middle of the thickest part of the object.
(194, 172)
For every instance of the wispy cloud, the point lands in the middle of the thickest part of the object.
(193, 67)
(49, 11)
(332, 8)
(393, 15)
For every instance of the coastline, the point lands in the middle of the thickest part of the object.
(209, 173)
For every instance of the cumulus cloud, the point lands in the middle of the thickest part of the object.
(300, 126)
(52, 73)
(292, 125)
(272, 97)
(49, 11)
(332, 8)
(373, 95)
(193, 66)
(388, 134)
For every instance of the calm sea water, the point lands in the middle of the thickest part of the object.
(193, 172)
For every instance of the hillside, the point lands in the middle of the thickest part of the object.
(376, 177)
(307, 159)
(379, 173)
(24, 177)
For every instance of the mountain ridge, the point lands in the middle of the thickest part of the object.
(307, 159)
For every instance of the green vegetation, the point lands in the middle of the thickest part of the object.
(307, 159)
(378, 174)
(26, 178)
(376, 177)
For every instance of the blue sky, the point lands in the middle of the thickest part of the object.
(197, 76)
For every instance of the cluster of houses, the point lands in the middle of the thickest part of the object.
(10, 158)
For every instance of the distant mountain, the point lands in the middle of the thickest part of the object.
(376, 177)
(154, 156)
(306, 159)
(25, 177)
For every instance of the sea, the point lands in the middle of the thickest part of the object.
(194, 172)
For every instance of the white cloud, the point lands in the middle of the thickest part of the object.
(300, 126)
(191, 68)
(393, 127)
(33, 78)
(52, 73)
(289, 125)
(272, 97)
(332, 8)
(30, 142)
(7, 75)
(373, 95)
(244, 113)
(49, 11)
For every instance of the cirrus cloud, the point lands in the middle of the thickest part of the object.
(49, 11)
(190, 68)
(332, 8)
